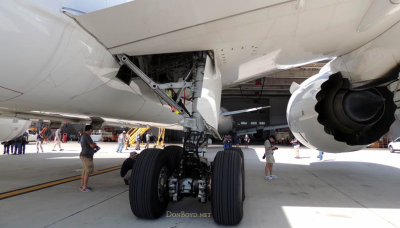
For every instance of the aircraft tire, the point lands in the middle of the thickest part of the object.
(148, 189)
(174, 154)
(226, 188)
(239, 150)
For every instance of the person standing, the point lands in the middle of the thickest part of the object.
(57, 139)
(148, 139)
(121, 140)
(24, 141)
(237, 141)
(79, 136)
(320, 155)
(269, 156)
(39, 142)
(6, 147)
(126, 141)
(246, 140)
(86, 157)
(296, 146)
(18, 145)
(138, 138)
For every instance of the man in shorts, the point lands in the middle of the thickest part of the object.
(86, 157)
(269, 156)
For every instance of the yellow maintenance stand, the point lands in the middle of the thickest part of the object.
(134, 131)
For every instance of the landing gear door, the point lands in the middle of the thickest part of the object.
(210, 101)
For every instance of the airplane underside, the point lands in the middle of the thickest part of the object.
(175, 73)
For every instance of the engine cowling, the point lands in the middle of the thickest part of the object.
(11, 128)
(327, 114)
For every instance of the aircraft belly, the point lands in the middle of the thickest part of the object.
(54, 65)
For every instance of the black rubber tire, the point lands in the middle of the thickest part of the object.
(174, 154)
(238, 150)
(226, 188)
(143, 189)
(391, 149)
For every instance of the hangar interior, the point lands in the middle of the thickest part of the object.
(269, 90)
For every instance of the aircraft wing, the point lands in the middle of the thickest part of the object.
(265, 128)
(81, 119)
(229, 113)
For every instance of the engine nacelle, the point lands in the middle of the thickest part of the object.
(11, 128)
(326, 114)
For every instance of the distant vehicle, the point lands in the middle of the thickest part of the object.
(394, 146)
(100, 136)
(32, 135)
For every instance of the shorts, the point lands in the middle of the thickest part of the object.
(270, 158)
(87, 164)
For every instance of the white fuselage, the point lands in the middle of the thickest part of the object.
(49, 63)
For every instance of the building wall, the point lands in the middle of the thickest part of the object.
(278, 110)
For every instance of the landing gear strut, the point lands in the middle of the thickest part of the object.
(163, 176)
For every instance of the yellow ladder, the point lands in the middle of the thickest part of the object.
(161, 137)
(133, 132)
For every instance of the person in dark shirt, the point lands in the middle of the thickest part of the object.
(86, 156)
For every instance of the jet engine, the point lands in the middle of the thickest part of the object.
(326, 113)
(11, 128)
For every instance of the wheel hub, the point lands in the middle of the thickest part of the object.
(162, 183)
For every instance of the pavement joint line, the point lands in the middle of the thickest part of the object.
(91, 206)
(21, 191)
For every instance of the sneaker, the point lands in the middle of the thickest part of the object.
(274, 176)
(83, 189)
(61, 149)
(268, 178)
(89, 188)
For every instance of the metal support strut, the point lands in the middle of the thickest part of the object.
(154, 86)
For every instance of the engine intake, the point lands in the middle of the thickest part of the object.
(356, 117)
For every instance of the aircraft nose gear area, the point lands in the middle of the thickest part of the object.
(160, 176)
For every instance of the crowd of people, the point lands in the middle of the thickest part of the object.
(16, 146)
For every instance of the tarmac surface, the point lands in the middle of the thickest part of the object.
(358, 189)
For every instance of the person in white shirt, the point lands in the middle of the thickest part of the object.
(57, 139)
(269, 156)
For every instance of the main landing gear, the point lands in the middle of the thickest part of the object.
(160, 176)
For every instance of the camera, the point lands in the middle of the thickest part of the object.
(97, 148)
